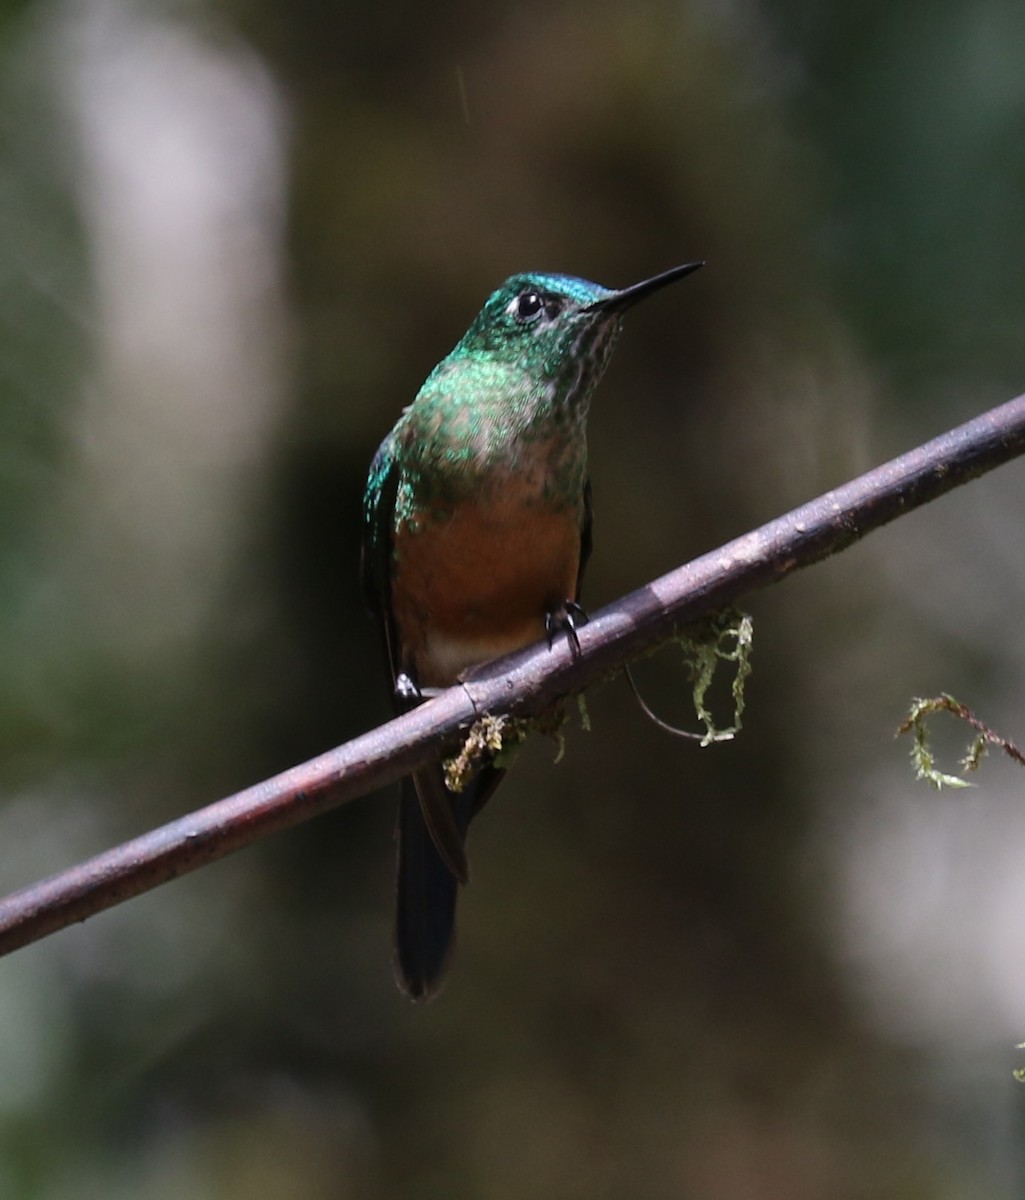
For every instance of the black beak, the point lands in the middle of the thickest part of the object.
(627, 296)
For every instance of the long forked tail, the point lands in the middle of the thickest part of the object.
(427, 888)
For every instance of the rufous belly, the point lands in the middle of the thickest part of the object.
(479, 582)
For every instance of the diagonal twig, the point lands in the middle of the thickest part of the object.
(524, 684)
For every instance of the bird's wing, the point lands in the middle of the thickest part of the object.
(436, 802)
(375, 558)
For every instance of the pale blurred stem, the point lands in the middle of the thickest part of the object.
(523, 685)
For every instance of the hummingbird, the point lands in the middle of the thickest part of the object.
(477, 529)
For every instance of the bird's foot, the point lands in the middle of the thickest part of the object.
(409, 691)
(568, 619)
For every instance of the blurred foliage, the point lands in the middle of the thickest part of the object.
(236, 236)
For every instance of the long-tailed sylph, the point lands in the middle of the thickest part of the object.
(477, 531)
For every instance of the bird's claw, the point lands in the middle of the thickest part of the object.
(406, 688)
(409, 691)
(568, 619)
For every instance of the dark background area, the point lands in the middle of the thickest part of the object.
(235, 235)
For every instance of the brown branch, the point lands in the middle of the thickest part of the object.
(524, 684)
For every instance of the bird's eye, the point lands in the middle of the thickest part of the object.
(527, 306)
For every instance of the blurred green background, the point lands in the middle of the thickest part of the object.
(235, 235)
